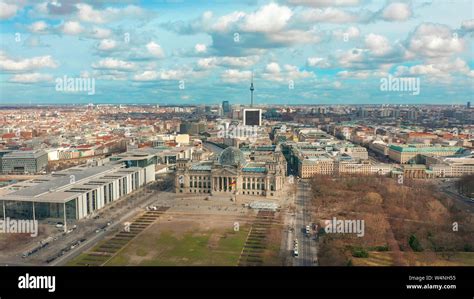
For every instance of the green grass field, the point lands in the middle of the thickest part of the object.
(213, 248)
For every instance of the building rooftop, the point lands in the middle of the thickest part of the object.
(232, 156)
(427, 149)
(254, 169)
(24, 154)
(201, 167)
(52, 188)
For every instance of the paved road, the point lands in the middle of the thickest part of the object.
(306, 244)
(449, 189)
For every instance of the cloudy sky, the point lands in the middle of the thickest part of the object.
(204, 52)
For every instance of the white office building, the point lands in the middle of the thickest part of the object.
(75, 193)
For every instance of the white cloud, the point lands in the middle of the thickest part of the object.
(207, 63)
(468, 25)
(114, 64)
(100, 33)
(317, 62)
(170, 74)
(291, 37)
(397, 11)
(72, 28)
(87, 13)
(377, 44)
(350, 57)
(7, 10)
(273, 68)
(107, 45)
(293, 72)
(200, 48)
(235, 76)
(442, 69)
(273, 72)
(227, 61)
(38, 27)
(224, 23)
(146, 76)
(27, 64)
(349, 33)
(174, 74)
(155, 50)
(329, 15)
(356, 75)
(434, 40)
(31, 78)
(324, 3)
(110, 74)
(269, 18)
(238, 61)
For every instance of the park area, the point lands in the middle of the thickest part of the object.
(409, 224)
(188, 246)
(175, 239)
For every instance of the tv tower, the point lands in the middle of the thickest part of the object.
(251, 92)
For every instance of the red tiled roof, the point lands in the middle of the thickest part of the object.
(8, 135)
(421, 134)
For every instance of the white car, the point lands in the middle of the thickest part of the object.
(295, 252)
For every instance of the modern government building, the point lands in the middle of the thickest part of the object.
(77, 192)
(258, 171)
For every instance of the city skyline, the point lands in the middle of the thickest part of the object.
(142, 139)
(300, 52)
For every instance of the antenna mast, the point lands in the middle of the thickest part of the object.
(251, 91)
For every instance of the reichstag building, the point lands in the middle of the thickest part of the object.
(258, 171)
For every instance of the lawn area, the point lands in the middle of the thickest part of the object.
(192, 248)
(81, 259)
(84, 259)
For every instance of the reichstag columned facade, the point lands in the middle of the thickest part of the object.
(256, 171)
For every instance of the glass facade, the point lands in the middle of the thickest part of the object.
(24, 210)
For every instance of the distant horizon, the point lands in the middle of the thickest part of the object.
(218, 104)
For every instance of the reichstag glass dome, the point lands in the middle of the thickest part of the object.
(232, 156)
